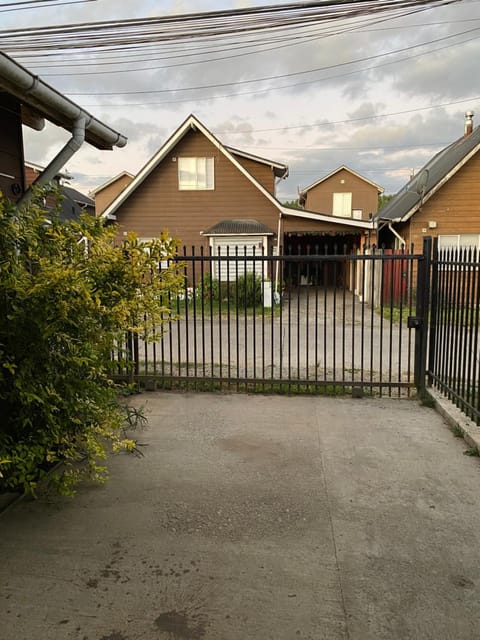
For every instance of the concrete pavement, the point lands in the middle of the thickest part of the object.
(254, 517)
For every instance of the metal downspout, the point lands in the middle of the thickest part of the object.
(277, 264)
(49, 173)
(396, 234)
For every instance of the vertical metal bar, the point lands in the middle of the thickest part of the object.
(466, 324)
(382, 311)
(220, 298)
(475, 350)
(462, 353)
(193, 289)
(362, 344)
(334, 302)
(433, 314)
(254, 309)
(307, 315)
(343, 319)
(245, 313)
(202, 307)
(187, 332)
(469, 395)
(213, 289)
(229, 337)
(354, 318)
(274, 268)
(299, 276)
(237, 320)
(373, 271)
(400, 276)
(325, 323)
(316, 314)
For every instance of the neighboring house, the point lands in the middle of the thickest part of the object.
(342, 193)
(25, 99)
(108, 191)
(442, 200)
(72, 202)
(208, 194)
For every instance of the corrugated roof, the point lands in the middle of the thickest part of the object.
(237, 227)
(427, 181)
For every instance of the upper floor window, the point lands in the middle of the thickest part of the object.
(342, 205)
(195, 174)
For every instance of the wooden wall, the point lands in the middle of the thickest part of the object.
(11, 148)
(364, 195)
(158, 204)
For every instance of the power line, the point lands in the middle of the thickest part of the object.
(39, 4)
(199, 25)
(277, 77)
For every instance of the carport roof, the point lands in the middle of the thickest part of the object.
(238, 227)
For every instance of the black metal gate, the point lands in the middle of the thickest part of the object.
(454, 345)
(290, 323)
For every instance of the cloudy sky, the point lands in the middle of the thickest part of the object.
(378, 96)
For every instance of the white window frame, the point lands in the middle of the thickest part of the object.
(457, 245)
(196, 173)
(457, 241)
(342, 204)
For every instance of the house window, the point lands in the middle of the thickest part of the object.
(342, 205)
(459, 241)
(357, 214)
(195, 174)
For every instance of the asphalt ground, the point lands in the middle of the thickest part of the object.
(257, 517)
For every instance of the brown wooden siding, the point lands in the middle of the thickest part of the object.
(11, 148)
(158, 204)
(31, 175)
(107, 195)
(364, 195)
(455, 208)
(261, 172)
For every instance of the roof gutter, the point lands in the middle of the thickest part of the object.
(49, 173)
(29, 88)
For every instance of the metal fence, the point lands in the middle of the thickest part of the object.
(291, 323)
(454, 349)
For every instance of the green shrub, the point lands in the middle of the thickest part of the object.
(249, 290)
(62, 310)
(246, 290)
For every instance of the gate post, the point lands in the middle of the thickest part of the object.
(422, 310)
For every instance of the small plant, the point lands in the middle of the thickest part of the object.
(472, 451)
(457, 431)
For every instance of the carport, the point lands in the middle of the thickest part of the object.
(309, 233)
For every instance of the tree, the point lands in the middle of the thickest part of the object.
(67, 295)
(383, 199)
(293, 204)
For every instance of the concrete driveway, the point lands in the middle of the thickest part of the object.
(254, 517)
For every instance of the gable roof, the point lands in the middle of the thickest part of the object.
(78, 197)
(430, 179)
(332, 173)
(190, 123)
(279, 170)
(111, 181)
(39, 100)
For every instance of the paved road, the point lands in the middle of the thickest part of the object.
(255, 517)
